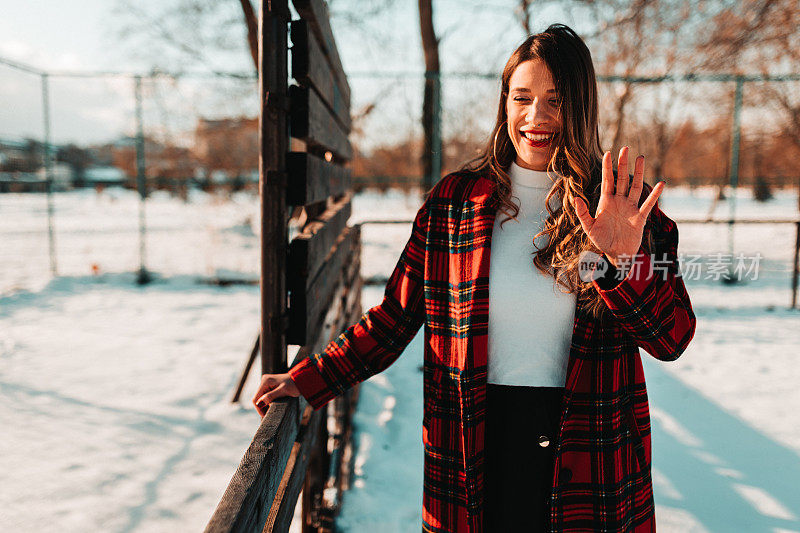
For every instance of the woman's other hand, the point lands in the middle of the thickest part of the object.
(618, 225)
(272, 387)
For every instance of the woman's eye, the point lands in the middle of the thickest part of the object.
(553, 101)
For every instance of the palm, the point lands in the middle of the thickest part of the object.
(617, 227)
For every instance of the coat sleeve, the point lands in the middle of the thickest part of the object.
(651, 303)
(379, 337)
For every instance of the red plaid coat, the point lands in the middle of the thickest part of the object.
(601, 479)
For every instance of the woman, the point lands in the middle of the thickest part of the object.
(536, 414)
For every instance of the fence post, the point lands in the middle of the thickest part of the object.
(48, 173)
(274, 139)
(734, 171)
(141, 182)
(795, 265)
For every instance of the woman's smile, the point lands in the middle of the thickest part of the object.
(537, 139)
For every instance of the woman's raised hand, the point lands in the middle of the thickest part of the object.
(618, 226)
(272, 387)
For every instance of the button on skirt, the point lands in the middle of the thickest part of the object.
(521, 431)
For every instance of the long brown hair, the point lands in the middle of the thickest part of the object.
(577, 156)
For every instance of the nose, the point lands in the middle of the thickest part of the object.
(537, 112)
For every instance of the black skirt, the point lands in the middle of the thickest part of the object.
(521, 429)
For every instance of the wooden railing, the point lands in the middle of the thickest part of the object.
(311, 286)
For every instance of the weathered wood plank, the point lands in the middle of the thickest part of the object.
(310, 248)
(310, 67)
(351, 263)
(273, 146)
(307, 306)
(316, 13)
(336, 320)
(345, 309)
(246, 501)
(314, 123)
(312, 179)
(282, 510)
(354, 281)
(262, 474)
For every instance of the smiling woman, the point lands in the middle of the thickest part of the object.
(536, 415)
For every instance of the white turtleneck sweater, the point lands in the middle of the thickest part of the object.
(530, 319)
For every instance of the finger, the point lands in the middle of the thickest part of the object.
(607, 185)
(638, 180)
(260, 406)
(266, 399)
(582, 210)
(651, 200)
(274, 394)
(262, 389)
(622, 172)
(259, 393)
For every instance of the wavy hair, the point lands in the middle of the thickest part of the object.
(576, 157)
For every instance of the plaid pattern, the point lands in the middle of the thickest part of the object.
(601, 479)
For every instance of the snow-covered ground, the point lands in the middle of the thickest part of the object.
(114, 398)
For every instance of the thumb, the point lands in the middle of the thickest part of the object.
(271, 396)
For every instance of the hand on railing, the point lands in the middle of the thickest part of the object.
(272, 387)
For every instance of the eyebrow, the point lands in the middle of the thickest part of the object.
(525, 90)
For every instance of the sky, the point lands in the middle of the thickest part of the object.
(50, 34)
(84, 36)
(53, 35)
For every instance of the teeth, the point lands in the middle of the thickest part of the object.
(537, 137)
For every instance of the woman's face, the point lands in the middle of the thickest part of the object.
(533, 114)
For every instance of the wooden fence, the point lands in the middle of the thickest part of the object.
(311, 286)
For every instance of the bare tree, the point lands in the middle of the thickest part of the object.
(740, 29)
(523, 15)
(430, 102)
(621, 46)
(644, 38)
(251, 21)
(659, 132)
(172, 35)
(760, 36)
(752, 35)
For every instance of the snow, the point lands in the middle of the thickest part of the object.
(115, 403)
(115, 398)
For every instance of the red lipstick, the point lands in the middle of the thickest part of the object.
(537, 144)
